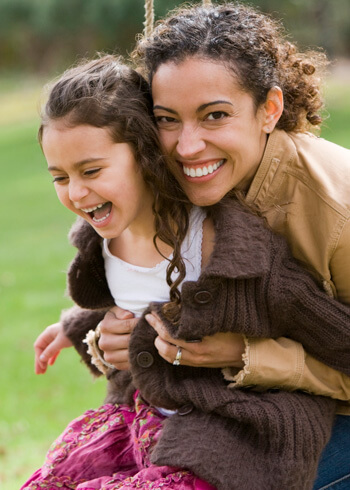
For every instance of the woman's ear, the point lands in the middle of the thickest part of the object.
(273, 108)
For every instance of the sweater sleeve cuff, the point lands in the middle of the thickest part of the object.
(269, 364)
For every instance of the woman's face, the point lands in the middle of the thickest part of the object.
(97, 178)
(211, 129)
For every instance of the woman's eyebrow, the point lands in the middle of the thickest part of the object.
(215, 102)
(164, 109)
(199, 109)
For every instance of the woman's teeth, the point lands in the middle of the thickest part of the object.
(200, 171)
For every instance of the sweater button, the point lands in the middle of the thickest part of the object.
(203, 297)
(185, 409)
(144, 359)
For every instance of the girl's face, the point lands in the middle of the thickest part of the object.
(96, 178)
(209, 126)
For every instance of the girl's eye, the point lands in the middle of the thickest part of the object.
(58, 179)
(92, 171)
(216, 116)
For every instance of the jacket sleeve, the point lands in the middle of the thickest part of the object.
(284, 364)
(76, 323)
(340, 265)
(301, 310)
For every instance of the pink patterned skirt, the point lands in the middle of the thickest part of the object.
(109, 449)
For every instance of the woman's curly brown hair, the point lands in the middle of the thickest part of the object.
(253, 45)
(106, 93)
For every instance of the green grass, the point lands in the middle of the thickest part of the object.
(34, 254)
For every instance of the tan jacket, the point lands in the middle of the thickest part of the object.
(302, 187)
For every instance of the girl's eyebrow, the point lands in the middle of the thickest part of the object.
(78, 164)
(199, 109)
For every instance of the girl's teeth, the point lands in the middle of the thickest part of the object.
(192, 172)
(101, 219)
(199, 172)
(210, 169)
(205, 171)
(90, 210)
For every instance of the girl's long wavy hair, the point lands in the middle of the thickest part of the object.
(106, 93)
(252, 45)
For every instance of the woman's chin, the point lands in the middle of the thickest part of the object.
(203, 197)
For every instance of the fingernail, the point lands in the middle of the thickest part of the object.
(42, 357)
(149, 317)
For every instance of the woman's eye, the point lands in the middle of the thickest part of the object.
(165, 119)
(216, 116)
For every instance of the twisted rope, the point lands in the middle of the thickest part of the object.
(149, 15)
(149, 18)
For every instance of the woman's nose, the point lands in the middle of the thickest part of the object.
(190, 142)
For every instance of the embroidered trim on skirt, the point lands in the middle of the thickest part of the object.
(109, 449)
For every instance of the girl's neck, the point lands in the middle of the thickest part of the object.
(135, 245)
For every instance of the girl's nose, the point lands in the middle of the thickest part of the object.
(77, 190)
(190, 142)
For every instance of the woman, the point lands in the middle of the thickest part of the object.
(230, 91)
(108, 171)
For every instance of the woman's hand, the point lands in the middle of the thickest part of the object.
(115, 329)
(48, 345)
(217, 351)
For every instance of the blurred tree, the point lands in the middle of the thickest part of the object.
(46, 35)
(314, 22)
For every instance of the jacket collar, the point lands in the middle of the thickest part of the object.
(84, 238)
(280, 151)
(242, 242)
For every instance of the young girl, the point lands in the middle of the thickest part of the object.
(101, 148)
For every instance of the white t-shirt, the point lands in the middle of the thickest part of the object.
(134, 287)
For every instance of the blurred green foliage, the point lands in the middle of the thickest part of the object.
(45, 35)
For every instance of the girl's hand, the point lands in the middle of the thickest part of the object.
(115, 329)
(217, 351)
(48, 345)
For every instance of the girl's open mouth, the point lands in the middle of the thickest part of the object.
(100, 212)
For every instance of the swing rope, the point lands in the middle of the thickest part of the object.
(149, 15)
(149, 18)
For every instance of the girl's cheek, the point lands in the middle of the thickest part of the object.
(63, 197)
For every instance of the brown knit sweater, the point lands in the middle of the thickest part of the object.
(252, 285)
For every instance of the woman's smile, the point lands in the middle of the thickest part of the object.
(202, 170)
